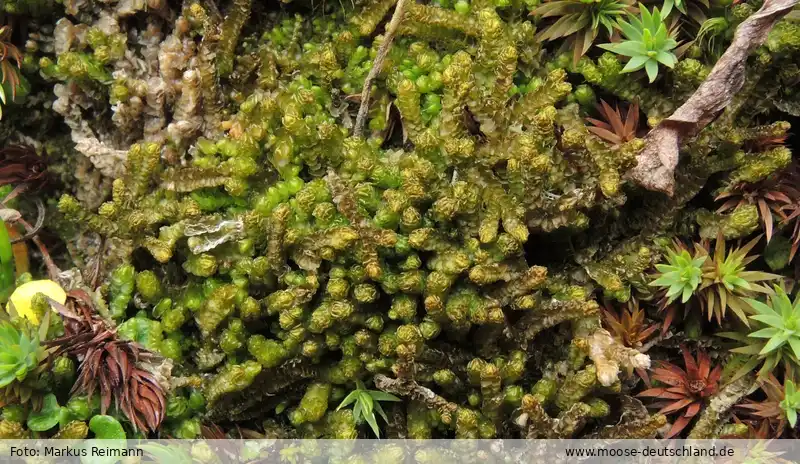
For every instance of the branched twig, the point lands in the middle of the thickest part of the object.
(32, 233)
(415, 391)
(657, 161)
(52, 270)
(391, 30)
(715, 414)
(37, 227)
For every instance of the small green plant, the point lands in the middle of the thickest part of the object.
(649, 43)
(20, 353)
(713, 33)
(779, 340)
(580, 20)
(783, 321)
(726, 281)
(681, 275)
(718, 280)
(791, 402)
(366, 403)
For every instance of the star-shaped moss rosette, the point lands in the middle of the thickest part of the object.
(580, 21)
(366, 403)
(686, 389)
(776, 334)
(110, 366)
(649, 43)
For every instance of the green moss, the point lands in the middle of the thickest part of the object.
(461, 246)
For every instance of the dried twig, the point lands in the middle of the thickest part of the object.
(37, 227)
(388, 37)
(715, 414)
(658, 159)
(52, 270)
(32, 233)
(410, 388)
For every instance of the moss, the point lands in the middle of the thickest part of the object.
(462, 246)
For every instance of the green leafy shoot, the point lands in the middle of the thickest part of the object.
(366, 403)
(680, 276)
(782, 319)
(711, 35)
(649, 42)
(791, 402)
(727, 282)
(778, 338)
(581, 20)
(20, 353)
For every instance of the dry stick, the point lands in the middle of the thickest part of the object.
(410, 388)
(32, 232)
(37, 227)
(657, 161)
(391, 30)
(52, 270)
(715, 413)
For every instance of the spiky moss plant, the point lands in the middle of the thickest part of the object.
(580, 21)
(366, 403)
(718, 281)
(680, 276)
(773, 410)
(686, 390)
(20, 353)
(615, 129)
(649, 43)
(109, 365)
(776, 338)
(24, 374)
(726, 282)
(776, 194)
(629, 325)
(10, 78)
